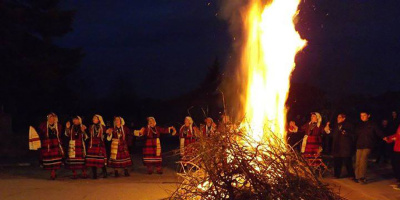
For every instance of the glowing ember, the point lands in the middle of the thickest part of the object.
(268, 60)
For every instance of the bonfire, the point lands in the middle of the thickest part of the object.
(253, 161)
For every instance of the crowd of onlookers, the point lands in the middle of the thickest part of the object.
(349, 144)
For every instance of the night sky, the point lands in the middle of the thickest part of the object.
(163, 48)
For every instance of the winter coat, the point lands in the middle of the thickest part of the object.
(343, 140)
(367, 134)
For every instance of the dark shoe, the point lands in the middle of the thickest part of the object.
(105, 175)
(351, 178)
(94, 173)
(126, 173)
(116, 173)
(356, 180)
(363, 181)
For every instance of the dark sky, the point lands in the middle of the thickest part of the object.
(163, 47)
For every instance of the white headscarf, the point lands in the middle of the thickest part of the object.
(155, 122)
(55, 123)
(122, 121)
(319, 118)
(190, 124)
(101, 121)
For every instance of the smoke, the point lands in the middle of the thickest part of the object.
(232, 11)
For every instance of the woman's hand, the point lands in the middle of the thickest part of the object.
(109, 131)
(173, 130)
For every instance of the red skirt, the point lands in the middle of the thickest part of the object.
(187, 150)
(150, 152)
(313, 145)
(51, 154)
(123, 159)
(96, 154)
(78, 162)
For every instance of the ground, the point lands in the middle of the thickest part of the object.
(31, 182)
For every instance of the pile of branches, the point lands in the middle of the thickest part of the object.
(233, 166)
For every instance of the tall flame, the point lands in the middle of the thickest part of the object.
(268, 60)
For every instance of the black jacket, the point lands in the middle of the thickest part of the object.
(343, 140)
(367, 134)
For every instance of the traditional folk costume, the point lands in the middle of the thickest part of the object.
(187, 136)
(96, 155)
(312, 141)
(152, 149)
(76, 148)
(208, 129)
(119, 157)
(51, 152)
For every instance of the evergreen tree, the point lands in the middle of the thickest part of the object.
(33, 67)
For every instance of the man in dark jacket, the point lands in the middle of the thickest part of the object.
(342, 145)
(367, 133)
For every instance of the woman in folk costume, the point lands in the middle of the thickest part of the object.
(187, 136)
(209, 128)
(51, 152)
(96, 154)
(76, 148)
(152, 149)
(312, 141)
(119, 157)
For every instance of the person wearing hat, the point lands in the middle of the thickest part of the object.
(51, 152)
(96, 154)
(76, 149)
(119, 157)
(152, 149)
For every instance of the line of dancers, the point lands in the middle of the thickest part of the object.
(86, 145)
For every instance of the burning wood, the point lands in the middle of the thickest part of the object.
(235, 166)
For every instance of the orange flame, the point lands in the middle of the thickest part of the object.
(268, 60)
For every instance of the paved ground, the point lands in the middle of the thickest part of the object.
(33, 183)
(380, 185)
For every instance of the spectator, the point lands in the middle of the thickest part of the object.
(342, 145)
(366, 133)
(396, 154)
(293, 136)
(384, 149)
(394, 122)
